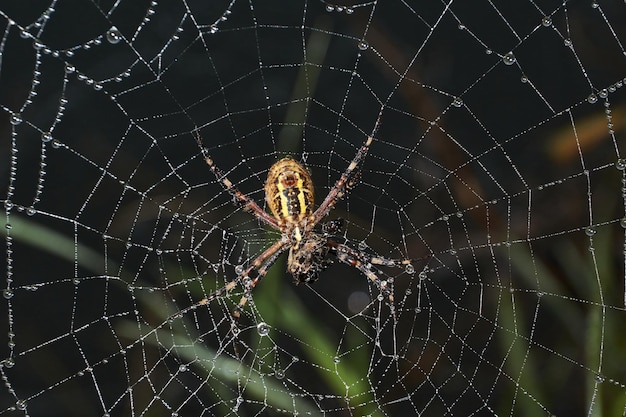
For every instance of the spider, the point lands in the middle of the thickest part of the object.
(290, 198)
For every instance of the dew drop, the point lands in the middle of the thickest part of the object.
(363, 45)
(362, 245)
(546, 21)
(409, 269)
(46, 137)
(239, 269)
(280, 374)
(114, 35)
(330, 8)
(263, 329)
(590, 231)
(20, 405)
(7, 293)
(358, 301)
(621, 164)
(69, 69)
(592, 98)
(457, 102)
(213, 29)
(508, 59)
(8, 362)
(16, 119)
(622, 222)
(336, 360)
(183, 368)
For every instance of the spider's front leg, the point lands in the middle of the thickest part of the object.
(333, 227)
(363, 262)
(261, 264)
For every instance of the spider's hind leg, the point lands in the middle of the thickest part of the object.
(238, 197)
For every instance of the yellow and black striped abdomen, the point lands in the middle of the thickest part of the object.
(289, 191)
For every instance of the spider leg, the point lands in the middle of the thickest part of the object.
(346, 181)
(379, 260)
(363, 262)
(261, 264)
(247, 203)
(249, 283)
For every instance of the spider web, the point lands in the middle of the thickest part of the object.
(497, 167)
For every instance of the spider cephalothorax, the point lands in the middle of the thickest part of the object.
(308, 257)
(290, 198)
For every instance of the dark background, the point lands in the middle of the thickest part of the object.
(510, 199)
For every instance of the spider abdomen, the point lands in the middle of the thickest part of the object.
(289, 191)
